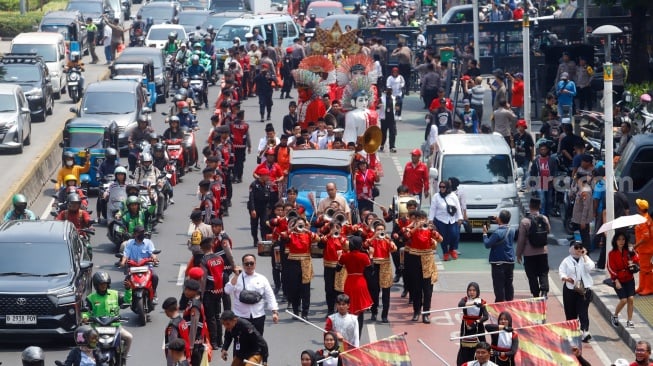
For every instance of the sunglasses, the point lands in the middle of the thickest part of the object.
(249, 264)
(578, 247)
(443, 186)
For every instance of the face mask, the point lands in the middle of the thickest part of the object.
(69, 163)
(139, 236)
(92, 344)
(185, 110)
(427, 120)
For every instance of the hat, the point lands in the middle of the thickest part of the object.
(642, 204)
(519, 75)
(288, 49)
(587, 158)
(416, 152)
(466, 78)
(522, 123)
(249, 35)
(564, 76)
(196, 273)
(192, 284)
(466, 102)
(269, 127)
(216, 221)
(261, 170)
(269, 151)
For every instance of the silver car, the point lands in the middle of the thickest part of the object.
(15, 120)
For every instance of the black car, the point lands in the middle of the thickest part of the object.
(31, 73)
(70, 23)
(160, 13)
(45, 275)
(160, 74)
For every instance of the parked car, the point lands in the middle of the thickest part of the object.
(15, 120)
(66, 22)
(118, 100)
(52, 48)
(32, 74)
(45, 277)
(160, 12)
(160, 76)
(634, 170)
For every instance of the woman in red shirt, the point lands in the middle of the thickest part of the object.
(517, 101)
(620, 260)
(356, 261)
(365, 180)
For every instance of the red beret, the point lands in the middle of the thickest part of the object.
(261, 170)
(196, 273)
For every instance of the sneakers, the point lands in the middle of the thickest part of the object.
(615, 321)
(586, 337)
(454, 254)
(172, 202)
(393, 150)
(629, 324)
(445, 257)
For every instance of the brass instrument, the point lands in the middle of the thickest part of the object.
(339, 217)
(292, 214)
(328, 214)
(272, 142)
(372, 139)
(376, 223)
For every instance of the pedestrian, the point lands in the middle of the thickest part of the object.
(429, 84)
(251, 292)
(524, 150)
(482, 352)
(533, 250)
(249, 344)
(290, 120)
(502, 257)
(504, 118)
(585, 93)
(642, 354)
(566, 65)
(499, 89)
(583, 205)
(343, 323)
(565, 91)
(356, 262)
(222, 245)
(212, 290)
(542, 172)
(460, 193)
(92, 37)
(333, 243)
(446, 213)
(381, 247)
(176, 330)
(469, 117)
(396, 84)
(517, 93)
(476, 89)
(388, 120)
(621, 208)
(240, 137)
(620, 74)
(416, 175)
(623, 262)
(263, 83)
(474, 315)
(577, 294)
(117, 35)
(106, 41)
(259, 203)
(644, 248)
(404, 57)
(504, 344)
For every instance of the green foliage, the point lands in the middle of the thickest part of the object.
(14, 23)
(639, 89)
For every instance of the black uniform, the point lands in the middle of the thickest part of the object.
(248, 341)
(195, 310)
(259, 201)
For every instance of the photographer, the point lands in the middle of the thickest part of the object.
(263, 81)
(574, 271)
(502, 256)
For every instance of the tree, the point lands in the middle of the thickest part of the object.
(639, 61)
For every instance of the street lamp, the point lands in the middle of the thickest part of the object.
(526, 59)
(608, 31)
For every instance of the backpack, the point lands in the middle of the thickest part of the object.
(537, 234)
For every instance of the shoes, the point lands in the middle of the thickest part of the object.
(255, 242)
(393, 150)
(396, 278)
(172, 202)
(148, 318)
(93, 62)
(373, 318)
(384, 319)
(267, 119)
(216, 346)
(404, 293)
(544, 294)
(398, 118)
(586, 337)
(123, 361)
(426, 319)
(155, 300)
(305, 317)
(445, 257)
(262, 120)
(629, 324)
(381, 149)
(454, 254)
(615, 321)
(415, 317)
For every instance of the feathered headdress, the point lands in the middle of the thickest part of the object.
(358, 86)
(358, 62)
(320, 65)
(310, 80)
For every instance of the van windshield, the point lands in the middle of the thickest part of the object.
(316, 182)
(229, 32)
(22, 259)
(47, 51)
(478, 169)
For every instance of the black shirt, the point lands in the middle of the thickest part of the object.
(247, 341)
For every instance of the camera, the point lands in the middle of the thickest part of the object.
(490, 220)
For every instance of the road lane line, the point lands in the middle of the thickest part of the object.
(371, 332)
(46, 212)
(181, 275)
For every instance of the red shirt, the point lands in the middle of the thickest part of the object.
(382, 248)
(300, 243)
(81, 219)
(365, 183)
(435, 104)
(355, 261)
(517, 94)
(244, 63)
(416, 177)
(275, 173)
(545, 171)
(618, 265)
(331, 248)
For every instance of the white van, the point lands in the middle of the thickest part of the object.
(486, 171)
(50, 46)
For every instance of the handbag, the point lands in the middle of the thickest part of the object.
(579, 287)
(451, 209)
(249, 297)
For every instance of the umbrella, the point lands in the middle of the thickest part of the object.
(623, 221)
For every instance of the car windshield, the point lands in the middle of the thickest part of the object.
(216, 21)
(478, 169)
(157, 12)
(323, 11)
(90, 138)
(23, 259)
(327, 23)
(47, 51)
(7, 103)
(226, 5)
(316, 182)
(128, 69)
(18, 73)
(55, 28)
(192, 18)
(86, 7)
(108, 103)
(229, 32)
(161, 34)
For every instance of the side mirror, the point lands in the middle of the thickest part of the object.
(24, 110)
(86, 265)
(433, 173)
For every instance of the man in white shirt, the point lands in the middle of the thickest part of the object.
(265, 141)
(397, 83)
(251, 281)
(333, 195)
(106, 41)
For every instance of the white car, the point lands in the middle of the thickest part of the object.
(158, 35)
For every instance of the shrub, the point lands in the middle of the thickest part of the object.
(11, 25)
(639, 89)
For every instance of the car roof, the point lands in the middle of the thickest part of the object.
(46, 37)
(196, 11)
(37, 231)
(159, 5)
(9, 88)
(63, 14)
(319, 4)
(148, 51)
(134, 59)
(113, 86)
(168, 26)
(89, 122)
(343, 16)
(472, 144)
(314, 159)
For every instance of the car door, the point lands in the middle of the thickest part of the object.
(24, 117)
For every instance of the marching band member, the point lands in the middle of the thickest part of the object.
(472, 323)
(381, 247)
(504, 344)
(276, 174)
(365, 180)
(333, 243)
(298, 272)
(278, 224)
(356, 261)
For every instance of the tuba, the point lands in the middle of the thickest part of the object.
(372, 139)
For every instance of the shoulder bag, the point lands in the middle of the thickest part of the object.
(249, 297)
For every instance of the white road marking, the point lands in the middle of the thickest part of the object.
(46, 212)
(182, 274)
(371, 332)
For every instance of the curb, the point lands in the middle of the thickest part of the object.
(36, 178)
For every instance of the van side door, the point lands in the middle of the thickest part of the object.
(641, 174)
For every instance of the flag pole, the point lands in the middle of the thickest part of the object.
(313, 325)
(532, 299)
(498, 331)
(355, 348)
(432, 351)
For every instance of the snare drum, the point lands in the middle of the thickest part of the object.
(277, 257)
(264, 248)
(316, 252)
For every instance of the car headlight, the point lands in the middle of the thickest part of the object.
(9, 124)
(34, 93)
(508, 202)
(65, 295)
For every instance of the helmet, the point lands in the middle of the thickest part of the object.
(19, 201)
(111, 153)
(158, 147)
(195, 58)
(197, 45)
(142, 118)
(175, 20)
(185, 81)
(175, 119)
(183, 92)
(133, 199)
(181, 105)
(70, 177)
(131, 186)
(313, 16)
(153, 136)
(68, 155)
(249, 35)
(100, 278)
(301, 14)
(120, 170)
(178, 97)
(236, 40)
(74, 56)
(84, 333)
(172, 36)
(147, 157)
(210, 29)
(74, 198)
(32, 356)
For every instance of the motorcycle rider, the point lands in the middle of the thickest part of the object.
(187, 94)
(133, 216)
(110, 163)
(107, 302)
(160, 157)
(186, 118)
(146, 172)
(20, 211)
(79, 217)
(75, 61)
(120, 182)
(196, 68)
(136, 30)
(209, 51)
(183, 55)
(312, 22)
(172, 45)
(149, 22)
(32, 356)
(86, 351)
(139, 134)
(71, 187)
(69, 167)
(140, 248)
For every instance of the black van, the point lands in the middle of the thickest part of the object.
(634, 171)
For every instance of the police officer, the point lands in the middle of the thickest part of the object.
(259, 203)
(91, 34)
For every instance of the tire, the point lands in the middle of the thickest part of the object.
(140, 311)
(41, 116)
(57, 95)
(19, 149)
(51, 109)
(28, 140)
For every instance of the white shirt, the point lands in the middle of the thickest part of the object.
(263, 143)
(438, 209)
(107, 35)
(569, 268)
(347, 326)
(433, 134)
(255, 282)
(461, 198)
(396, 84)
(381, 110)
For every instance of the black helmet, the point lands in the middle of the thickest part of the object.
(313, 16)
(83, 335)
(183, 92)
(158, 147)
(74, 198)
(111, 153)
(100, 278)
(19, 201)
(153, 136)
(33, 356)
(132, 187)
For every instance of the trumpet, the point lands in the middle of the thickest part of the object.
(382, 235)
(292, 214)
(340, 217)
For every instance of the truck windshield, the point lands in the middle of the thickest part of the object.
(90, 138)
(316, 182)
(478, 169)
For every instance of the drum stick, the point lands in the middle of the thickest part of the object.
(313, 325)
(490, 333)
(377, 204)
(432, 352)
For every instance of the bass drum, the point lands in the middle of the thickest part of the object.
(399, 203)
(264, 248)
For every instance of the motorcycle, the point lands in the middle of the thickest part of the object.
(140, 279)
(190, 146)
(103, 189)
(85, 237)
(197, 84)
(74, 80)
(109, 342)
(176, 163)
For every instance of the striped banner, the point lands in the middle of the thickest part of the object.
(524, 312)
(391, 351)
(549, 344)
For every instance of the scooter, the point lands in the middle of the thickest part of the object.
(197, 85)
(85, 236)
(110, 344)
(140, 279)
(190, 146)
(176, 164)
(74, 79)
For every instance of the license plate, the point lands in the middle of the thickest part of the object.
(476, 223)
(72, 83)
(106, 330)
(21, 319)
